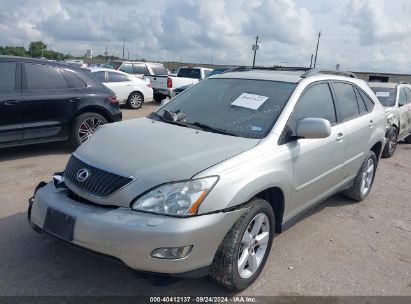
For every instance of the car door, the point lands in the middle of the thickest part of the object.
(358, 126)
(120, 84)
(11, 124)
(48, 102)
(317, 163)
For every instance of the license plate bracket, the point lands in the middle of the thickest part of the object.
(59, 224)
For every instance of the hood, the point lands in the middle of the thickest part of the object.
(155, 152)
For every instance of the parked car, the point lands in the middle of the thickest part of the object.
(43, 101)
(137, 68)
(212, 73)
(396, 98)
(164, 86)
(129, 90)
(216, 173)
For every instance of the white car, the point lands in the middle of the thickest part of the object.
(129, 89)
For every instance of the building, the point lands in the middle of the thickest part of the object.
(383, 77)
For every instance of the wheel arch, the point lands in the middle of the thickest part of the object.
(92, 109)
(275, 197)
(377, 149)
(136, 91)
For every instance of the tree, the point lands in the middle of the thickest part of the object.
(36, 48)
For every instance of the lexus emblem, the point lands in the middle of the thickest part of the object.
(82, 175)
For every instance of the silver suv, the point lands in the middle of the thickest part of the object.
(396, 99)
(216, 173)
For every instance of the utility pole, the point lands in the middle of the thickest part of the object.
(106, 52)
(255, 48)
(124, 46)
(316, 50)
(311, 62)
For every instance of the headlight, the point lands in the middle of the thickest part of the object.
(180, 198)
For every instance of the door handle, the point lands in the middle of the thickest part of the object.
(75, 99)
(372, 123)
(340, 137)
(11, 102)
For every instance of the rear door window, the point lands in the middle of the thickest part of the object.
(101, 76)
(40, 76)
(117, 77)
(347, 101)
(7, 76)
(140, 68)
(127, 68)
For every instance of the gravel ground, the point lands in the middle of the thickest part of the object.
(339, 248)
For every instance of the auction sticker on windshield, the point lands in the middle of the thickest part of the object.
(249, 101)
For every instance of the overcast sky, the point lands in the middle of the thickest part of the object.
(357, 34)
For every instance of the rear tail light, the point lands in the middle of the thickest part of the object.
(169, 83)
(113, 99)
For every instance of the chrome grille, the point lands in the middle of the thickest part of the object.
(99, 182)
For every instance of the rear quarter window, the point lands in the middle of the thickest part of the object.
(40, 76)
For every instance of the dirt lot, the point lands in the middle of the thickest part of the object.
(340, 248)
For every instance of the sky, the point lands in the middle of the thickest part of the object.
(360, 35)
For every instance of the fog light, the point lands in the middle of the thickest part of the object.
(171, 253)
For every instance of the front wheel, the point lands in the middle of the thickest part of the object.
(391, 145)
(84, 126)
(364, 179)
(242, 254)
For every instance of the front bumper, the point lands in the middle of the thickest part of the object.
(131, 236)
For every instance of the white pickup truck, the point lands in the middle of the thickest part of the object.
(164, 86)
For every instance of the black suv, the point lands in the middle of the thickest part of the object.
(42, 101)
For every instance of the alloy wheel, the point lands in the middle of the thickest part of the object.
(88, 127)
(367, 177)
(136, 101)
(253, 245)
(392, 143)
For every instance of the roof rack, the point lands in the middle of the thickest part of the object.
(282, 68)
(312, 72)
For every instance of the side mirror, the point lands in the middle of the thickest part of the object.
(164, 102)
(313, 128)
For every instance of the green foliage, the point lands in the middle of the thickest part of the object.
(35, 50)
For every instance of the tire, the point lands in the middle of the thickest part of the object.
(359, 191)
(159, 97)
(84, 126)
(225, 267)
(407, 140)
(391, 145)
(135, 100)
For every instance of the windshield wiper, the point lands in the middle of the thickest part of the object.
(206, 127)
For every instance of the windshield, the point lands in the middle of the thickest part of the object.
(386, 96)
(241, 107)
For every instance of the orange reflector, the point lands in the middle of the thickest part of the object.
(194, 207)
